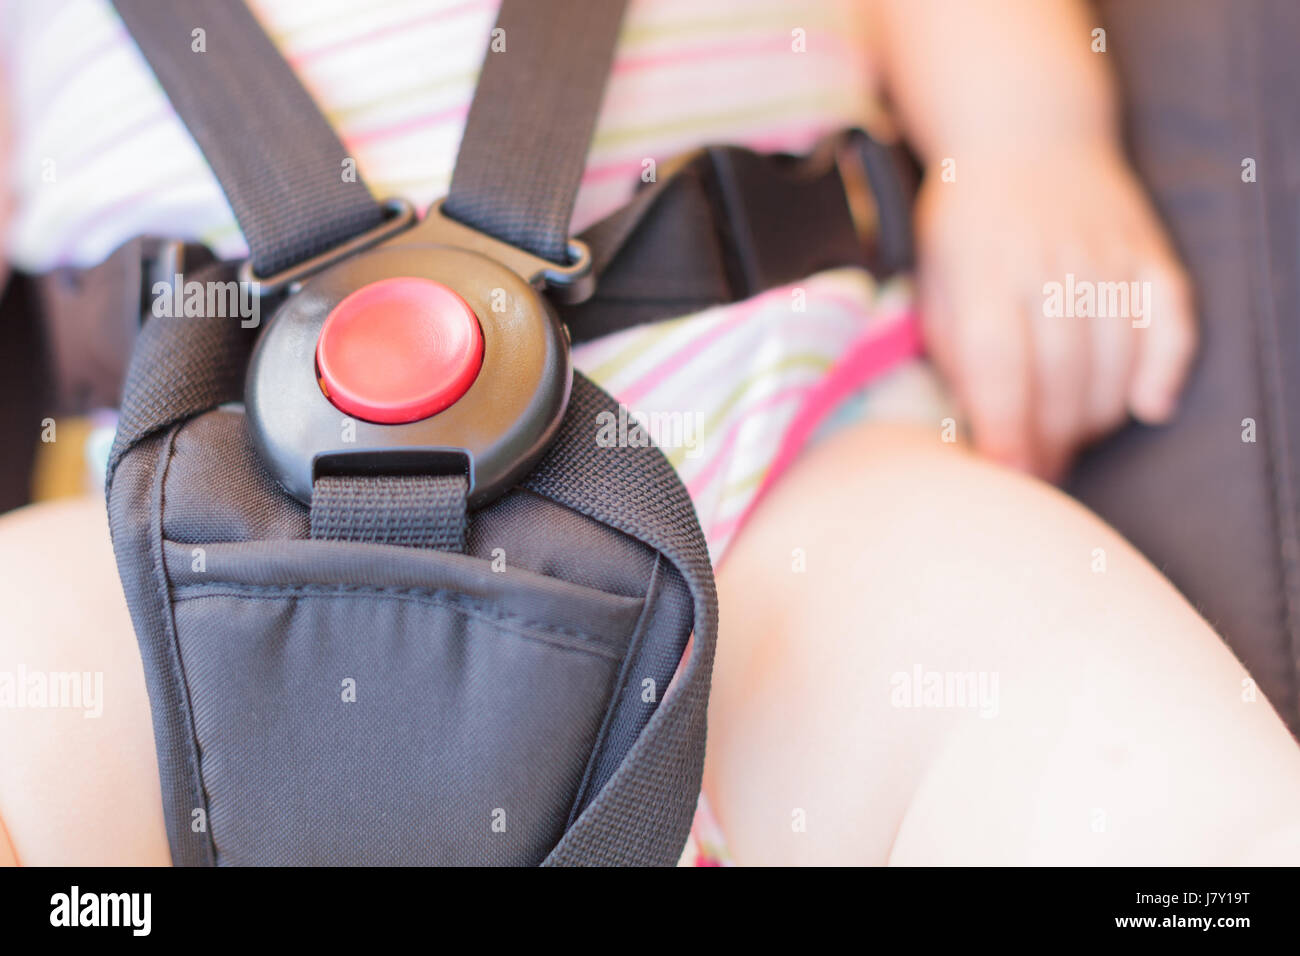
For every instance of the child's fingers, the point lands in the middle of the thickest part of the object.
(996, 376)
(1114, 353)
(1062, 367)
(1166, 346)
(1113, 338)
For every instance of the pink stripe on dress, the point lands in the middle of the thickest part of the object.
(874, 355)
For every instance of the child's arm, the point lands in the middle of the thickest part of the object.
(1009, 98)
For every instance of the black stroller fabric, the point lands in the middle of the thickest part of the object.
(1218, 514)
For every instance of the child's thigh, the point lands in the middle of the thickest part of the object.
(921, 656)
(78, 773)
(926, 658)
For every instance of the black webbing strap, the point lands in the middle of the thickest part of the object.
(279, 162)
(417, 511)
(529, 128)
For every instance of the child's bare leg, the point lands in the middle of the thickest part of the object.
(1120, 731)
(73, 789)
(1117, 730)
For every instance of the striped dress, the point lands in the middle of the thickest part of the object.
(732, 394)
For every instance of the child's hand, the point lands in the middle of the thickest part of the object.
(1037, 387)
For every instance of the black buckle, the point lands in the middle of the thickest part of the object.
(889, 175)
(494, 433)
(161, 261)
(781, 217)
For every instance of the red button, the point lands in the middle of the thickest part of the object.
(399, 350)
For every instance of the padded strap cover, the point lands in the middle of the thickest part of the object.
(637, 801)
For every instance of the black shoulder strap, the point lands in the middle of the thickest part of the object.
(529, 128)
(278, 161)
